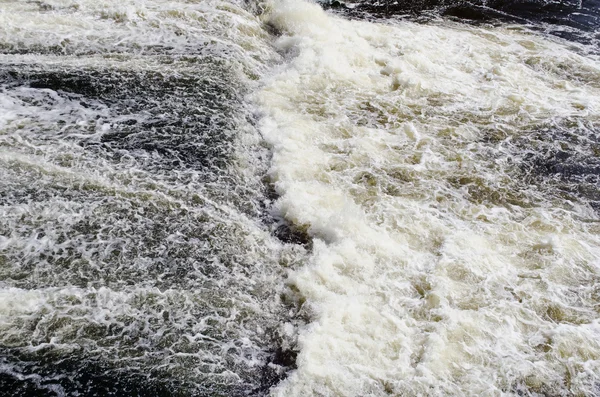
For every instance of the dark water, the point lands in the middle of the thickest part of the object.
(165, 231)
(570, 19)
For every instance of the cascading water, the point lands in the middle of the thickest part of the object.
(249, 198)
(135, 252)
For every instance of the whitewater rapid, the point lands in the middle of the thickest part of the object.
(441, 264)
(249, 198)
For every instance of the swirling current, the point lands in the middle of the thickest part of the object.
(299, 198)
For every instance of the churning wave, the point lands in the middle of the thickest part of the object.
(229, 198)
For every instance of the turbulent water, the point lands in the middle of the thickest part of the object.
(244, 198)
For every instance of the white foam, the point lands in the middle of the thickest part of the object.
(419, 283)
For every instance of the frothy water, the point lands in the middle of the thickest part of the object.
(447, 259)
(249, 198)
